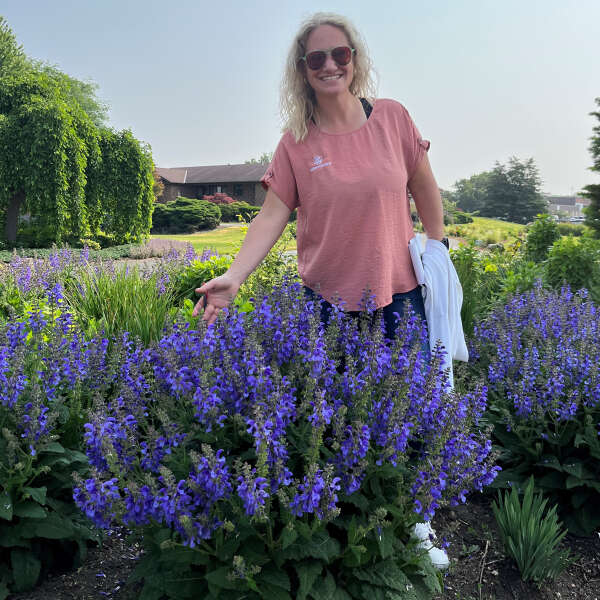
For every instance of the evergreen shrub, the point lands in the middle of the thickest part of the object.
(230, 212)
(185, 215)
(541, 234)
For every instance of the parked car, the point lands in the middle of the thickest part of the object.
(576, 219)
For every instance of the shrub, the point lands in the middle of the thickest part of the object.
(230, 212)
(531, 534)
(197, 273)
(48, 375)
(488, 278)
(575, 262)
(255, 461)
(571, 229)
(541, 359)
(541, 234)
(185, 215)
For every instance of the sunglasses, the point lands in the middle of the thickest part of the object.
(341, 55)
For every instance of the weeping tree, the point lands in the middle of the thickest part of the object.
(71, 176)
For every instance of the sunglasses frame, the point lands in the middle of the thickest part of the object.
(328, 53)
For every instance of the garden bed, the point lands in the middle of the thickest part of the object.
(479, 568)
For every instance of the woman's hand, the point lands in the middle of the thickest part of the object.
(218, 293)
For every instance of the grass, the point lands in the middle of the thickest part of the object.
(490, 231)
(224, 241)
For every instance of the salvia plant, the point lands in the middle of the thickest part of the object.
(531, 534)
(268, 457)
(541, 359)
(48, 375)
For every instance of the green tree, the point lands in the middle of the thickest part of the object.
(70, 176)
(470, 194)
(126, 190)
(12, 57)
(82, 92)
(592, 191)
(513, 192)
(264, 159)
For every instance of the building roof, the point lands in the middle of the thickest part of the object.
(567, 200)
(214, 174)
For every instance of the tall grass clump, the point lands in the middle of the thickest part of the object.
(267, 457)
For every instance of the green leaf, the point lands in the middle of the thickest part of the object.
(288, 537)
(26, 569)
(308, 571)
(6, 506)
(552, 481)
(274, 576)
(38, 494)
(219, 579)
(319, 546)
(30, 509)
(3, 591)
(54, 527)
(53, 447)
(385, 542)
(272, 592)
(324, 588)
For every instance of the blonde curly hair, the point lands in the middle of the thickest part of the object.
(297, 99)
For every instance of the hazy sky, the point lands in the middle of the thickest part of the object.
(199, 81)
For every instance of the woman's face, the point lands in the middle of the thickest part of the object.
(331, 78)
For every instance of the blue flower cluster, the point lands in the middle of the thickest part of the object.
(269, 409)
(543, 354)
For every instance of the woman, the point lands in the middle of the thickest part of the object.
(345, 162)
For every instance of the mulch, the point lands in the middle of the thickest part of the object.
(479, 569)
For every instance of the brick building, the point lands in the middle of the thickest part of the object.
(241, 182)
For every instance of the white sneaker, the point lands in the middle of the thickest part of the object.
(426, 534)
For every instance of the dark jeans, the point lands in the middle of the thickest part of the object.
(397, 306)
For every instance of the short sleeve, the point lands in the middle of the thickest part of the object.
(279, 176)
(414, 145)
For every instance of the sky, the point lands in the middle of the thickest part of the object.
(199, 81)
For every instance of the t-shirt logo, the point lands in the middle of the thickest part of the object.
(318, 163)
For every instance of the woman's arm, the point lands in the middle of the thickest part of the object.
(263, 232)
(426, 194)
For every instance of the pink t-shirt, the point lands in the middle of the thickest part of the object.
(354, 220)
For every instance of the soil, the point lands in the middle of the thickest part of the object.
(479, 568)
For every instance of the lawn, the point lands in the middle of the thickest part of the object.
(224, 240)
(490, 231)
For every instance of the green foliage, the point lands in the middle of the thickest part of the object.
(40, 528)
(531, 535)
(106, 253)
(541, 234)
(81, 92)
(185, 215)
(230, 212)
(196, 274)
(573, 229)
(125, 186)
(264, 159)
(276, 266)
(123, 300)
(510, 192)
(12, 57)
(513, 192)
(367, 552)
(470, 195)
(56, 165)
(592, 191)
(575, 262)
(488, 278)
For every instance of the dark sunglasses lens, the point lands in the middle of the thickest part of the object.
(315, 60)
(341, 55)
